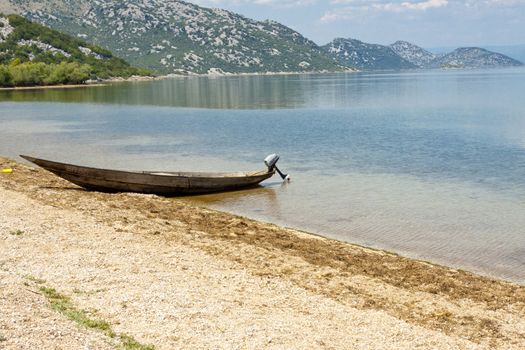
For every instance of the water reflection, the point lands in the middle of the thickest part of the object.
(285, 91)
(261, 201)
(238, 92)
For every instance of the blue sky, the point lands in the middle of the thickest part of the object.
(428, 23)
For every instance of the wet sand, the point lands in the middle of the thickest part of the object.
(179, 276)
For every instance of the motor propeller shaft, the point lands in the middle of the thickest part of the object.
(283, 176)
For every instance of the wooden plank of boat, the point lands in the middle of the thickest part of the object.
(151, 182)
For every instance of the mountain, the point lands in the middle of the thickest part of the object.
(172, 36)
(405, 55)
(413, 53)
(355, 53)
(473, 57)
(514, 51)
(35, 47)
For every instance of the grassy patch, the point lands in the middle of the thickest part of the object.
(131, 344)
(17, 233)
(35, 279)
(63, 304)
(89, 292)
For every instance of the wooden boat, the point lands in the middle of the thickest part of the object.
(152, 182)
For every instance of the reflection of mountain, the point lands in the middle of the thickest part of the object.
(235, 92)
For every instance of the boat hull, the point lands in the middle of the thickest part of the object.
(160, 183)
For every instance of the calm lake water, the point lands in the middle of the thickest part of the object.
(428, 164)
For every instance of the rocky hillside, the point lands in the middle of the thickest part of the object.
(473, 57)
(172, 36)
(22, 41)
(413, 53)
(355, 53)
(515, 51)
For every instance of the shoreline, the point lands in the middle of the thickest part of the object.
(50, 87)
(415, 302)
(106, 82)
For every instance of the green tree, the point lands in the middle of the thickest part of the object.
(29, 74)
(68, 73)
(5, 77)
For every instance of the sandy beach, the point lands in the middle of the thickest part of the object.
(159, 273)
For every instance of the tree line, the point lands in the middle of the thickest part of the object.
(39, 74)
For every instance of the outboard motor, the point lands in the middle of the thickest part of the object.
(271, 160)
(271, 163)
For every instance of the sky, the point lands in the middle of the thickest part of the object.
(428, 23)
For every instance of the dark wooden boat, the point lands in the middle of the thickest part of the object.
(152, 182)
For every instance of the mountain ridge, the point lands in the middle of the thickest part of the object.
(474, 57)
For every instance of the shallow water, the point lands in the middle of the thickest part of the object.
(428, 164)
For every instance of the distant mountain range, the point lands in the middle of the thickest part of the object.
(404, 55)
(355, 53)
(173, 36)
(515, 51)
(473, 57)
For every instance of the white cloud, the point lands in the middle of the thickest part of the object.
(407, 5)
(399, 4)
(353, 8)
(424, 5)
(505, 3)
(274, 3)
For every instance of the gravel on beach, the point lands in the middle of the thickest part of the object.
(178, 276)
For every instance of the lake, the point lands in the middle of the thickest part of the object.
(429, 164)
